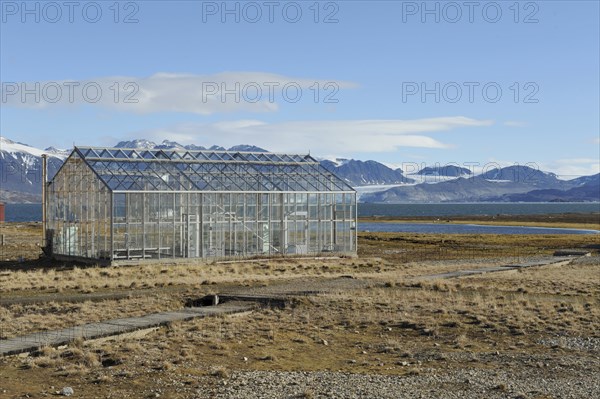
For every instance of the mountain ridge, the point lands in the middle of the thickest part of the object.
(20, 166)
(502, 184)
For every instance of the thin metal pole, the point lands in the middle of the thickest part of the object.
(159, 216)
(201, 217)
(355, 224)
(144, 226)
(44, 179)
(111, 220)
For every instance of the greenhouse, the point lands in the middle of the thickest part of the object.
(117, 204)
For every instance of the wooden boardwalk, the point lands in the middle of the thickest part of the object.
(240, 301)
(35, 341)
(555, 260)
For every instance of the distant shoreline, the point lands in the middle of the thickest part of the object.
(567, 215)
(558, 220)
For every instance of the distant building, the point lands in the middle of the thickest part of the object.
(117, 204)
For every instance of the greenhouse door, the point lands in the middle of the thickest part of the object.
(191, 227)
(296, 233)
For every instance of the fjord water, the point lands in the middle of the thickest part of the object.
(23, 212)
(455, 228)
(33, 213)
(436, 211)
(476, 209)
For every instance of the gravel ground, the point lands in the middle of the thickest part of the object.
(589, 344)
(431, 383)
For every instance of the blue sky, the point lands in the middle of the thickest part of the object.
(355, 75)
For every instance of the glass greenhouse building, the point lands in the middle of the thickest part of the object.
(116, 204)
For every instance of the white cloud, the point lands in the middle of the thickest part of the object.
(573, 167)
(168, 92)
(322, 137)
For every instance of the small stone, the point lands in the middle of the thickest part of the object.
(67, 391)
(245, 359)
(324, 342)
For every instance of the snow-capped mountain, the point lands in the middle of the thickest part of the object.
(21, 164)
(23, 150)
(170, 145)
(21, 176)
(513, 183)
(365, 173)
(138, 143)
(447, 171)
(21, 169)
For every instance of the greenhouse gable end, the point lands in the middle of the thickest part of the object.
(117, 204)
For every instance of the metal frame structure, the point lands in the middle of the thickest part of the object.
(131, 204)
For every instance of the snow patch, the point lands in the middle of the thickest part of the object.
(433, 179)
(336, 161)
(498, 181)
(18, 149)
(361, 190)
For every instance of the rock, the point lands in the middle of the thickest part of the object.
(324, 342)
(67, 391)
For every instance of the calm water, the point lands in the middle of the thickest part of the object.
(476, 209)
(23, 212)
(33, 212)
(451, 228)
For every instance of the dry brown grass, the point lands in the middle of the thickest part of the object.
(576, 279)
(567, 220)
(18, 319)
(409, 247)
(375, 330)
(398, 326)
(21, 241)
(400, 329)
(99, 279)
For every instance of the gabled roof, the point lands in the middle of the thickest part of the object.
(129, 169)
